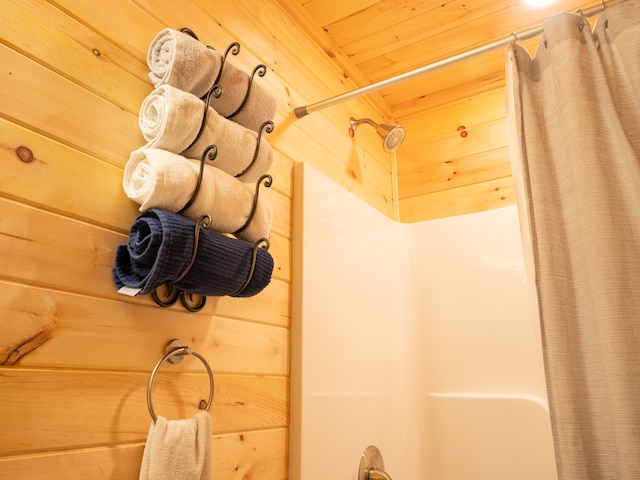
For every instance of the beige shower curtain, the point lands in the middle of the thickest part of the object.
(574, 119)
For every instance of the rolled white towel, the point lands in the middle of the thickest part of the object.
(170, 119)
(177, 59)
(160, 179)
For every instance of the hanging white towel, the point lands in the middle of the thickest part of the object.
(178, 449)
(160, 179)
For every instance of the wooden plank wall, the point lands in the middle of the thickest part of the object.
(75, 356)
(457, 159)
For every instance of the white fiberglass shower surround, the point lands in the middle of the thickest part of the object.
(419, 339)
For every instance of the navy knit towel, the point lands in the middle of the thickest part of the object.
(159, 249)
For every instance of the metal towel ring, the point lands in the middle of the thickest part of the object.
(175, 347)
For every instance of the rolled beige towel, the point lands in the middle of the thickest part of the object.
(170, 119)
(259, 106)
(160, 179)
(177, 59)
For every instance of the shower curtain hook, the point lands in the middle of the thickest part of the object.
(579, 12)
(514, 40)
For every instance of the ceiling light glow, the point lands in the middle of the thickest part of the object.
(537, 3)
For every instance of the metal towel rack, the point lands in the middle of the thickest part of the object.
(194, 303)
(170, 294)
(175, 352)
(371, 465)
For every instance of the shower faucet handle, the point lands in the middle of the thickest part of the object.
(371, 465)
(375, 474)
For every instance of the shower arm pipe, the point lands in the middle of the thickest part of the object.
(403, 77)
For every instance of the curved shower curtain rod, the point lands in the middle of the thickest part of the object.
(403, 77)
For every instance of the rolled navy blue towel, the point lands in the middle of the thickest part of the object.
(159, 249)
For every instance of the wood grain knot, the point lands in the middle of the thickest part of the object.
(24, 154)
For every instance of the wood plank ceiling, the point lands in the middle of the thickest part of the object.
(455, 158)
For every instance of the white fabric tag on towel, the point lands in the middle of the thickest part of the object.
(131, 292)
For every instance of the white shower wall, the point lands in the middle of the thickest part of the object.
(415, 338)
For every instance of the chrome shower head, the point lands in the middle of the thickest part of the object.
(392, 135)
